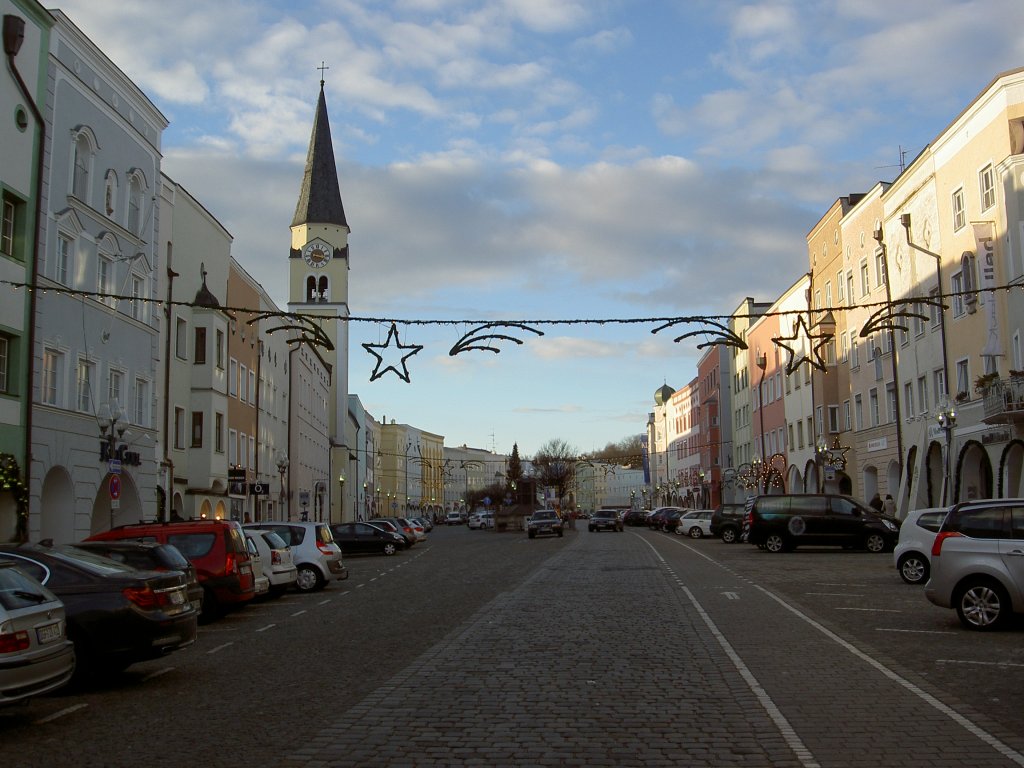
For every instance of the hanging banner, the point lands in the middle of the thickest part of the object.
(985, 248)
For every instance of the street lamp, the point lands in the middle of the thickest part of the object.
(282, 467)
(820, 455)
(947, 421)
(366, 501)
(762, 363)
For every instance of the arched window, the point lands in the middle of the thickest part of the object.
(83, 151)
(310, 289)
(134, 203)
(322, 288)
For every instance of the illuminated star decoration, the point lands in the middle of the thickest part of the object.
(837, 455)
(802, 333)
(392, 336)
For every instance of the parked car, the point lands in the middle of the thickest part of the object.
(36, 656)
(453, 518)
(151, 556)
(544, 521)
(782, 522)
(276, 559)
(636, 517)
(426, 522)
(481, 520)
(117, 615)
(216, 548)
(361, 538)
(317, 557)
(401, 527)
(604, 520)
(727, 522)
(656, 519)
(695, 523)
(912, 554)
(260, 579)
(977, 562)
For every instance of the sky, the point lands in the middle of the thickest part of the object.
(531, 161)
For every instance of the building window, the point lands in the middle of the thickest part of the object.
(956, 284)
(5, 363)
(865, 278)
(252, 387)
(919, 318)
(232, 447)
(179, 428)
(243, 383)
(243, 450)
(252, 451)
(922, 393)
(233, 378)
(880, 267)
(890, 397)
(52, 364)
(86, 375)
(939, 378)
(199, 348)
(82, 161)
(849, 288)
(854, 351)
(218, 420)
(963, 378)
(846, 415)
(873, 411)
(141, 402)
(180, 339)
(833, 419)
(858, 410)
(139, 305)
(197, 429)
(115, 388)
(105, 280)
(987, 185)
(935, 307)
(62, 263)
(220, 349)
(840, 287)
(7, 226)
(908, 399)
(134, 204)
(959, 214)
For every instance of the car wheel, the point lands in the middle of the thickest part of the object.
(590, 528)
(696, 533)
(874, 542)
(775, 543)
(389, 548)
(532, 534)
(309, 579)
(982, 604)
(913, 568)
(729, 535)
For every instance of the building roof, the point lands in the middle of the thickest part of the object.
(320, 196)
(663, 394)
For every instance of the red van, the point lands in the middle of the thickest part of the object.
(216, 548)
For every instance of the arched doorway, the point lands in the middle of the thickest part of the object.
(973, 473)
(57, 522)
(910, 489)
(934, 471)
(844, 483)
(128, 510)
(870, 477)
(1011, 471)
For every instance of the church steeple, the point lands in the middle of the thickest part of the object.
(320, 196)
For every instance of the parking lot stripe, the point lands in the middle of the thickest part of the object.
(979, 663)
(268, 626)
(219, 648)
(158, 672)
(61, 713)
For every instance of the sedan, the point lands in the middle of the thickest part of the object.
(35, 654)
(696, 523)
(360, 538)
(604, 520)
(116, 615)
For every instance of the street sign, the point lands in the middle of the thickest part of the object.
(114, 486)
(304, 498)
(259, 489)
(114, 466)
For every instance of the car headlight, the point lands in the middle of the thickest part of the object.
(890, 525)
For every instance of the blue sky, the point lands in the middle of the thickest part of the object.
(505, 160)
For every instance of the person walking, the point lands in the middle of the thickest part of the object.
(876, 502)
(889, 505)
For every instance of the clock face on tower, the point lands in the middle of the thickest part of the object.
(317, 253)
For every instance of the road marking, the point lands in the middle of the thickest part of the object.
(831, 594)
(264, 629)
(872, 610)
(61, 713)
(983, 735)
(219, 648)
(324, 602)
(731, 595)
(157, 673)
(299, 613)
(917, 631)
(979, 663)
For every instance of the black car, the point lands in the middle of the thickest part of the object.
(635, 517)
(544, 521)
(400, 526)
(604, 520)
(659, 519)
(727, 522)
(150, 556)
(359, 538)
(782, 522)
(117, 615)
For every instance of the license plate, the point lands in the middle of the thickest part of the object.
(49, 633)
(177, 598)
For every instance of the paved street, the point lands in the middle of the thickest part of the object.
(603, 649)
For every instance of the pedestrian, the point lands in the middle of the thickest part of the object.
(876, 502)
(889, 505)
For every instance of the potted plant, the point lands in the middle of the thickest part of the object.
(985, 381)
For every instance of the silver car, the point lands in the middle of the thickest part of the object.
(276, 559)
(35, 653)
(912, 555)
(316, 554)
(977, 562)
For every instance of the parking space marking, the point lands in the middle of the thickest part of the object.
(979, 663)
(831, 594)
(265, 628)
(219, 648)
(872, 610)
(157, 673)
(299, 613)
(60, 713)
(916, 631)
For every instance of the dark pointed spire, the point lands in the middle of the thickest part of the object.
(320, 196)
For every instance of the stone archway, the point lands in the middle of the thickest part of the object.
(1011, 471)
(58, 499)
(129, 506)
(869, 476)
(973, 473)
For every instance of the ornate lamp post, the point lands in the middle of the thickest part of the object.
(282, 467)
(947, 421)
(341, 496)
(820, 457)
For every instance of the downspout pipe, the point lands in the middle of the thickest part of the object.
(13, 37)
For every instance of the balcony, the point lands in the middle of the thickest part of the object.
(1004, 401)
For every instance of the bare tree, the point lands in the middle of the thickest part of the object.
(628, 452)
(554, 465)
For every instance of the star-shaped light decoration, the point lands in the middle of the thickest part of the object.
(836, 455)
(803, 338)
(412, 349)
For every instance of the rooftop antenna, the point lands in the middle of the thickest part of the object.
(903, 161)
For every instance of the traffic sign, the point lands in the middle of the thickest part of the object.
(115, 486)
(114, 466)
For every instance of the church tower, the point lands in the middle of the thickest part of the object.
(318, 276)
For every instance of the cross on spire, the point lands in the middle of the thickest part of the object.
(322, 67)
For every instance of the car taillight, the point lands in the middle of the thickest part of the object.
(230, 563)
(11, 642)
(146, 598)
(941, 537)
(324, 547)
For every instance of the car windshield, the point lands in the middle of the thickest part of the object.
(545, 514)
(274, 540)
(19, 591)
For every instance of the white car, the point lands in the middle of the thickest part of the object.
(696, 523)
(260, 580)
(913, 553)
(276, 559)
(317, 556)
